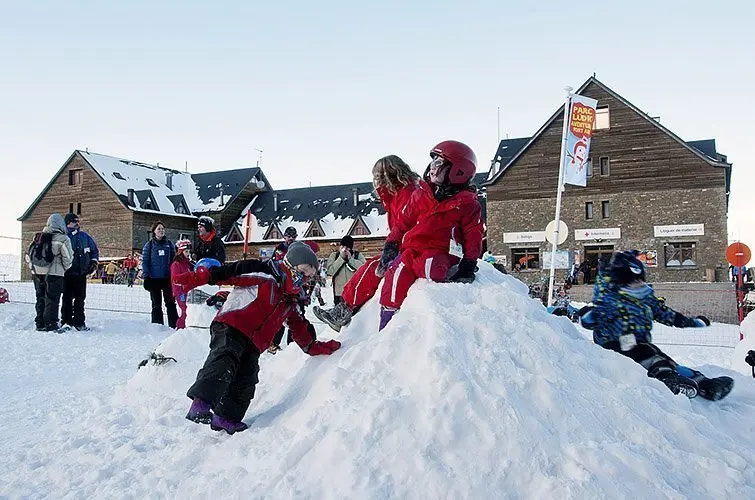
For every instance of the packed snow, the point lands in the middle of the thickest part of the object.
(472, 391)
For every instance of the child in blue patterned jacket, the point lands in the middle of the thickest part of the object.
(622, 319)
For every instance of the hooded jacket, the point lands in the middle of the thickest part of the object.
(61, 248)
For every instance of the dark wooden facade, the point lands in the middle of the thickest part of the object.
(653, 179)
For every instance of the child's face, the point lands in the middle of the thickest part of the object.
(306, 270)
(187, 252)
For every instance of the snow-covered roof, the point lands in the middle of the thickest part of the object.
(331, 207)
(164, 190)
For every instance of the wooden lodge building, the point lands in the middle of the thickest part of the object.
(647, 189)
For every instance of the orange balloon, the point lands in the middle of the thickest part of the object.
(738, 254)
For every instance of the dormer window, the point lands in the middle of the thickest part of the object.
(148, 204)
(152, 183)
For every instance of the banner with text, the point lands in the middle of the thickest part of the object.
(578, 134)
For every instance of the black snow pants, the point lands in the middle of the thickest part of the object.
(48, 290)
(230, 374)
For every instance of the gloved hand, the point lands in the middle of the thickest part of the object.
(317, 348)
(92, 267)
(218, 299)
(465, 273)
(147, 283)
(702, 321)
(390, 252)
(192, 279)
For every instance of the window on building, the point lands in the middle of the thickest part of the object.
(602, 118)
(588, 210)
(75, 177)
(525, 258)
(605, 209)
(315, 232)
(148, 204)
(274, 234)
(681, 254)
(78, 209)
(359, 230)
(70, 208)
(605, 165)
(152, 183)
(589, 167)
(184, 236)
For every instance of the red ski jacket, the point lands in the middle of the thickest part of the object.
(263, 299)
(396, 205)
(453, 226)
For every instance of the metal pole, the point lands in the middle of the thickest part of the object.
(559, 189)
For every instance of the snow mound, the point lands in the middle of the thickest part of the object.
(472, 391)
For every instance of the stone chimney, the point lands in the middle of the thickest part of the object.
(169, 180)
(130, 196)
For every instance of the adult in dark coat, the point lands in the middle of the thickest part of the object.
(209, 246)
(85, 258)
(157, 255)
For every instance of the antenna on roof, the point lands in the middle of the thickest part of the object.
(593, 74)
(87, 150)
(259, 156)
(186, 166)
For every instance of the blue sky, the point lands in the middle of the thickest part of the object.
(325, 89)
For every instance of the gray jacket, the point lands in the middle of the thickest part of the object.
(61, 247)
(342, 271)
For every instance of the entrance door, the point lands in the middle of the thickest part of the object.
(594, 254)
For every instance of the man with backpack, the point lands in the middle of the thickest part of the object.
(50, 255)
(85, 258)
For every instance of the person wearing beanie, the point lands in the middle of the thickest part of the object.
(86, 257)
(209, 245)
(289, 236)
(341, 266)
(621, 319)
(266, 295)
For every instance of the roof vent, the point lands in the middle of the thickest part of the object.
(169, 180)
(356, 197)
(275, 202)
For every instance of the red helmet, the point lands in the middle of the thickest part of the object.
(462, 158)
(313, 245)
(182, 245)
(4, 296)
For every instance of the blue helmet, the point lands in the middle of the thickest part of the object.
(625, 267)
(208, 263)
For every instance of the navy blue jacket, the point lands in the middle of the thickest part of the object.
(84, 252)
(157, 257)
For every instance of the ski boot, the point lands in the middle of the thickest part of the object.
(200, 412)
(711, 389)
(336, 318)
(677, 383)
(230, 426)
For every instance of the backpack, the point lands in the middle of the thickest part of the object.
(40, 254)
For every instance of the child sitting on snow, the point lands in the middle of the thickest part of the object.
(266, 295)
(622, 319)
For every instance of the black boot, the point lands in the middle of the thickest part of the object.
(675, 382)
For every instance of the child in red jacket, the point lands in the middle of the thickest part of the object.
(266, 295)
(395, 183)
(181, 264)
(441, 228)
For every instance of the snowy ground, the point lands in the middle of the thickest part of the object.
(472, 395)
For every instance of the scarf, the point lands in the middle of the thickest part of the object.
(207, 237)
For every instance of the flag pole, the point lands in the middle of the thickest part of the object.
(559, 189)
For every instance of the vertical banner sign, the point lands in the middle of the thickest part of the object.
(578, 134)
(247, 228)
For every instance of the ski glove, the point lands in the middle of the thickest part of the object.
(317, 347)
(465, 273)
(702, 321)
(189, 281)
(390, 252)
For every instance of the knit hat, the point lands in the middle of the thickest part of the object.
(300, 253)
(347, 241)
(290, 232)
(70, 217)
(207, 222)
